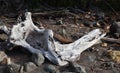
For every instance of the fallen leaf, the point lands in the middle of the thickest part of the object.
(115, 55)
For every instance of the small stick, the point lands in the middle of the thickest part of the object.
(111, 7)
(62, 39)
(53, 12)
(111, 40)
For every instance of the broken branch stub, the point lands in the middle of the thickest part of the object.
(36, 40)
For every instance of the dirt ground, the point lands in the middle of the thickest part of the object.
(95, 59)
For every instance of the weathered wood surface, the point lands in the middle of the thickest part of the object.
(40, 40)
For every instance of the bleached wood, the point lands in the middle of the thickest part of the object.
(37, 40)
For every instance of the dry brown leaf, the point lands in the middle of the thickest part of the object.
(115, 55)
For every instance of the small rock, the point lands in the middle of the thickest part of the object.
(3, 37)
(59, 22)
(2, 69)
(115, 29)
(28, 67)
(80, 69)
(89, 23)
(98, 24)
(3, 29)
(13, 68)
(2, 56)
(87, 16)
(92, 58)
(38, 59)
(76, 68)
(50, 69)
(117, 35)
(1, 22)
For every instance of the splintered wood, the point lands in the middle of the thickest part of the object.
(40, 40)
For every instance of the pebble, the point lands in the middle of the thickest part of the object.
(59, 22)
(104, 45)
(2, 56)
(92, 58)
(115, 29)
(12, 68)
(28, 67)
(50, 69)
(80, 69)
(38, 59)
(77, 68)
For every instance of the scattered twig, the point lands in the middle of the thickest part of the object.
(66, 12)
(111, 40)
(49, 12)
(62, 39)
(111, 7)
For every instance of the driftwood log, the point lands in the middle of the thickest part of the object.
(40, 40)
